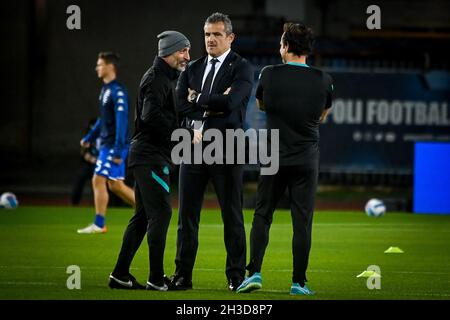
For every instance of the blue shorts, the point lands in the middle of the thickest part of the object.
(105, 167)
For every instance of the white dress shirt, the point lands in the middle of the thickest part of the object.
(217, 66)
(198, 124)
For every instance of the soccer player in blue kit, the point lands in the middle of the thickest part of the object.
(112, 128)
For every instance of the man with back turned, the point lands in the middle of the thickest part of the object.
(296, 99)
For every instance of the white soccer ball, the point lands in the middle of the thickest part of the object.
(8, 200)
(375, 208)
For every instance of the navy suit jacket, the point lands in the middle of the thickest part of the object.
(235, 72)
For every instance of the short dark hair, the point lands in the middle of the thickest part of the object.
(299, 37)
(110, 58)
(220, 17)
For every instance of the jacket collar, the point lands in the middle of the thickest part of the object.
(161, 65)
(221, 58)
(111, 82)
(224, 69)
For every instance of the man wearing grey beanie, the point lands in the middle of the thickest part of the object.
(170, 42)
(149, 160)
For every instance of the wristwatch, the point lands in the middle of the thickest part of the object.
(193, 97)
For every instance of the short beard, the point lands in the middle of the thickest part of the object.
(181, 68)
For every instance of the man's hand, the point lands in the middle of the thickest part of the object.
(117, 161)
(324, 115)
(90, 158)
(227, 91)
(197, 136)
(85, 144)
(192, 95)
(260, 105)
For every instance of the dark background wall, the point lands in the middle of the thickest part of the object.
(50, 90)
(53, 88)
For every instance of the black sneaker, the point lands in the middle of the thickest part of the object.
(234, 283)
(157, 286)
(162, 285)
(129, 283)
(180, 283)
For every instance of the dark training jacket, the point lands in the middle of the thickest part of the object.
(156, 116)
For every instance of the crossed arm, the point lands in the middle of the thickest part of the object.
(227, 101)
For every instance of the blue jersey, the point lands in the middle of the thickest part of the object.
(112, 126)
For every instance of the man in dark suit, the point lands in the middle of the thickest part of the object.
(213, 93)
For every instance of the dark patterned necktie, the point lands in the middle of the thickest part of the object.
(206, 90)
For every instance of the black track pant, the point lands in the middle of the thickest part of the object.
(301, 182)
(152, 217)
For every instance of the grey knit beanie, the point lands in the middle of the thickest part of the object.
(170, 42)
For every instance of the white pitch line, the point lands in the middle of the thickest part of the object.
(28, 283)
(368, 224)
(377, 227)
(55, 267)
(337, 271)
(380, 293)
(31, 267)
(344, 271)
(219, 270)
(261, 291)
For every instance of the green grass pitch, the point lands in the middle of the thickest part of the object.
(37, 244)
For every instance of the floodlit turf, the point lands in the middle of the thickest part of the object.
(37, 244)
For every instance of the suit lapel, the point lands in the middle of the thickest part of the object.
(198, 74)
(224, 69)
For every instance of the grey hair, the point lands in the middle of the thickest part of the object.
(220, 17)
